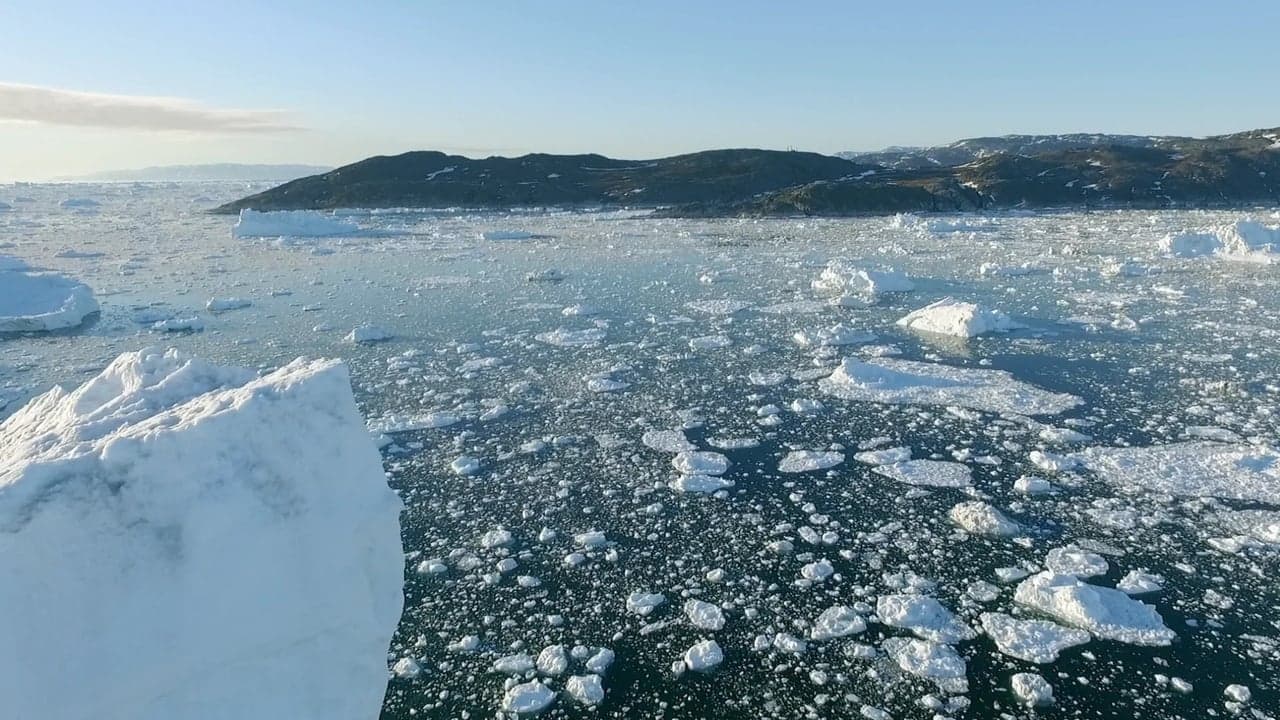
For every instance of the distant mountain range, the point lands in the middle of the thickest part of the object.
(207, 173)
(1015, 171)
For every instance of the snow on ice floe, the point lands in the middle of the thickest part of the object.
(924, 616)
(840, 277)
(1106, 612)
(703, 656)
(527, 698)
(889, 380)
(927, 473)
(798, 461)
(1194, 468)
(564, 337)
(957, 319)
(700, 462)
(1031, 689)
(1245, 240)
(176, 489)
(929, 660)
(981, 518)
(1036, 641)
(291, 223)
(33, 301)
(836, 622)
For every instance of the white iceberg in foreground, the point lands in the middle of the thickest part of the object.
(192, 541)
(907, 382)
(40, 301)
(959, 319)
(290, 223)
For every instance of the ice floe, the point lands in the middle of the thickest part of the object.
(291, 223)
(928, 473)
(957, 319)
(32, 301)
(1106, 612)
(889, 380)
(1194, 468)
(798, 461)
(1036, 641)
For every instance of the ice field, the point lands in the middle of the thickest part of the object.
(898, 467)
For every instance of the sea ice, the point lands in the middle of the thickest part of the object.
(704, 615)
(798, 461)
(1031, 689)
(836, 622)
(564, 337)
(703, 656)
(700, 462)
(173, 490)
(364, 334)
(924, 616)
(929, 660)
(929, 473)
(889, 380)
(981, 518)
(586, 689)
(1195, 468)
(528, 698)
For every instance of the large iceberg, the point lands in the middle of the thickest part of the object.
(211, 543)
(291, 223)
(33, 301)
(1241, 240)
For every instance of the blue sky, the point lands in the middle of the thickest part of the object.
(333, 82)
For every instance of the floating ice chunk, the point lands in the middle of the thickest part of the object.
(834, 336)
(842, 278)
(703, 656)
(924, 616)
(605, 385)
(290, 223)
(179, 324)
(1037, 641)
(501, 537)
(1052, 462)
(788, 643)
(1105, 612)
(224, 304)
(1238, 693)
(1072, 560)
(710, 342)
(552, 661)
(981, 518)
(599, 663)
(798, 461)
(586, 689)
(591, 539)
(528, 698)
(698, 483)
(507, 235)
(1137, 582)
(718, 307)
(889, 380)
(1031, 689)
(929, 660)
(1197, 469)
(514, 664)
(369, 334)
(704, 615)
(643, 603)
(40, 301)
(406, 668)
(886, 456)
(1031, 485)
(180, 490)
(817, 571)
(1188, 245)
(837, 622)
(958, 319)
(564, 337)
(673, 441)
(465, 465)
(700, 462)
(407, 423)
(930, 473)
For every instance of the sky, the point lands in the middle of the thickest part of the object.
(87, 86)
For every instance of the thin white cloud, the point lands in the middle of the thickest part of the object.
(53, 106)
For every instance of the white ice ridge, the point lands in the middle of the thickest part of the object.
(960, 319)
(1196, 469)
(889, 380)
(40, 301)
(214, 543)
(291, 223)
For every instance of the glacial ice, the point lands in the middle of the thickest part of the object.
(204, 536)
(958, 319)
(32, 301)
(1106, 612)
(291, 223)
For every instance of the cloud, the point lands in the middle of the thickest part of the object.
(52, 106)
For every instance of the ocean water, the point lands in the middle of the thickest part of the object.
(1159, 350)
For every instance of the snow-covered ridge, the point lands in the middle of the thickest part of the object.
(218, 544)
